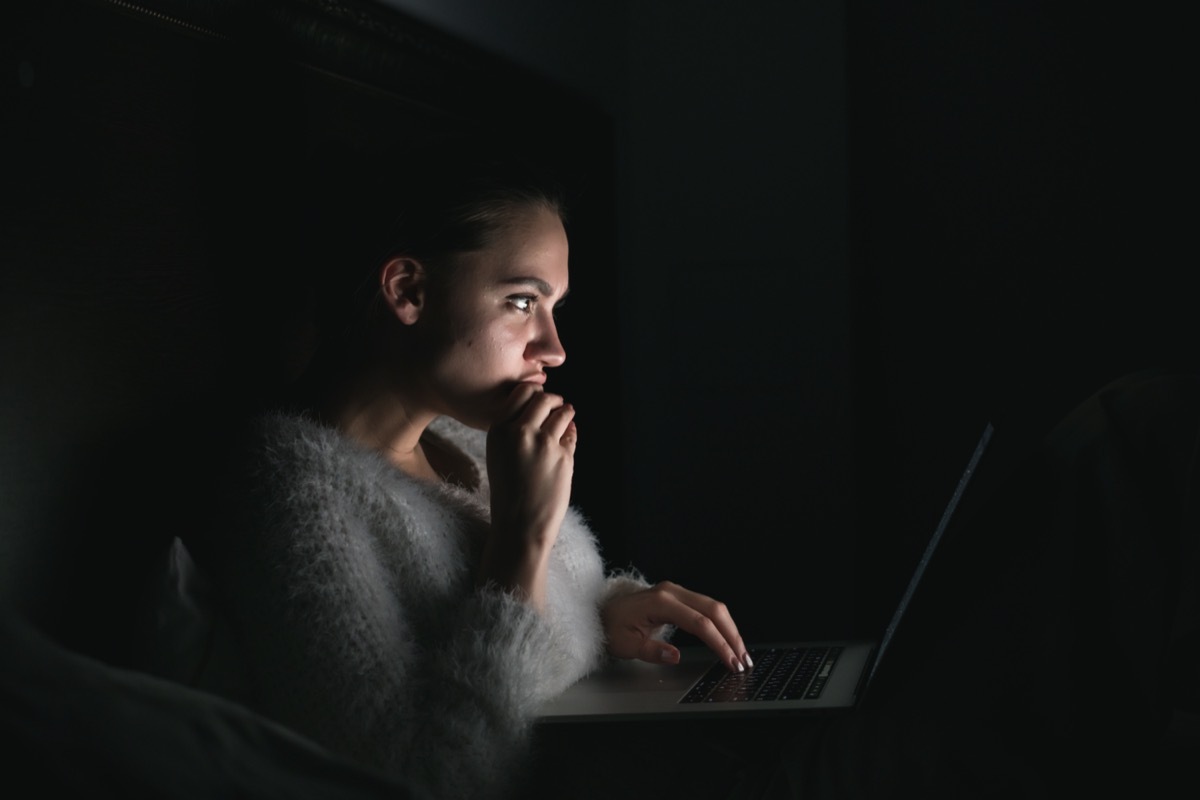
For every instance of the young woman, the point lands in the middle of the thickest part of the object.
(404, 575)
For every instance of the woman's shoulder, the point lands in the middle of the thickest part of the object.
(289, 451)
(280, 437)
(285, 431)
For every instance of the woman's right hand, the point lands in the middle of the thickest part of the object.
(631, 621)
(530, 463)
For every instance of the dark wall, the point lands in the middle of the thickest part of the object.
(815, 247)
(1018, 231)
(735, 328)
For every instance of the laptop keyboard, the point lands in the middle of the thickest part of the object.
(798, 673)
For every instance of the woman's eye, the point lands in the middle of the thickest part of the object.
(523, 302)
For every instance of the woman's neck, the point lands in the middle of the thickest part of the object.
(379, 418)
(393, 434)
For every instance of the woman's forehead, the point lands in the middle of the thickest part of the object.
(532, 251)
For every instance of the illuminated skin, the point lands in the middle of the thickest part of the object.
(474, 343)
(491, 324)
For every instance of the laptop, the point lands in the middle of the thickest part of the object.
(798, 677)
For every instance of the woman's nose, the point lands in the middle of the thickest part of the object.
(546, 348)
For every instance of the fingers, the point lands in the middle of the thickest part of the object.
(705, 618)
(658, 652)
(536, 409)
(518, 400)
(570, 437)
(560, 426)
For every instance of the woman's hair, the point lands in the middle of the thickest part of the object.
(430, 205)
(459, 207)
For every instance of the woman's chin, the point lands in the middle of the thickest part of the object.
(479, 419)
(484, 410)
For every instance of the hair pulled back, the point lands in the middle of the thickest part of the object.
(430, 205)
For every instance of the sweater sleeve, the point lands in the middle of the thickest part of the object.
(577, 589)
(371, 643)
(479, 694)
(574, 585)
(336, 661)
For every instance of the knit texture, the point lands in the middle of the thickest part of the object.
(349, 587)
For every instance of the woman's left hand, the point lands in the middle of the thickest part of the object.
(631, 620)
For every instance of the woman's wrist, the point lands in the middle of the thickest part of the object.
(518, 566)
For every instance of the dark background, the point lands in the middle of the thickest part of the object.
(814, 248)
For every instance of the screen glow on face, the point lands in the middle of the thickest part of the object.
(494, 324)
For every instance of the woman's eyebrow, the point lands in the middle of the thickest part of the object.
(544, 288)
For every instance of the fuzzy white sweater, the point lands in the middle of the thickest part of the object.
(349, 587)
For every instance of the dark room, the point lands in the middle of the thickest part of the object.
(323, 476)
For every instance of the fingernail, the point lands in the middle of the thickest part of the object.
(670, 656)
(740, 667)
(748, 660)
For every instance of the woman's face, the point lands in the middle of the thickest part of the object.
(490, 324)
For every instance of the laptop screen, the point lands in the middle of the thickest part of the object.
(984, 438)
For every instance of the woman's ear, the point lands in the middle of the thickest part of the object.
(402, 284)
